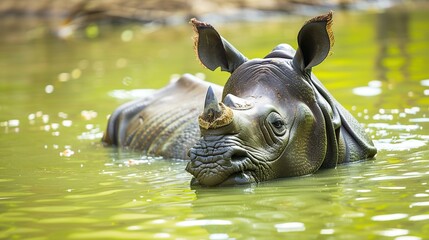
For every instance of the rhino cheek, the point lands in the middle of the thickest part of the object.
(306, 148)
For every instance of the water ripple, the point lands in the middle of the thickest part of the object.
(389, 217)
(419, 204)
(94, 195)
(393, 232)
(399, 145)
(419, 217)
(290, 227)
(203, 222)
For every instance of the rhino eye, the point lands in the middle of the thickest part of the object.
(277, 123)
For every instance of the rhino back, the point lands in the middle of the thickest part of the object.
(164, 129)
(166, 124)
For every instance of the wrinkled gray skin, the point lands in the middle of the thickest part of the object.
(275, 119)
(161, 124)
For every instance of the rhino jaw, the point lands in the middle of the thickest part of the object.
(239, 178)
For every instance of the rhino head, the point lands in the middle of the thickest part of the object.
(275, 119)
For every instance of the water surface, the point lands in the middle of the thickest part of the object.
(57, 181)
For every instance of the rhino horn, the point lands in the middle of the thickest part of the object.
(215, 114)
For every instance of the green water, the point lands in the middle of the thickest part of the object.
(58, 182)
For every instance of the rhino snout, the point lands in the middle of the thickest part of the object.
(219, 166)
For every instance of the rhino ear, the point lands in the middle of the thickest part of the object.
(213, 51)
(315, 40)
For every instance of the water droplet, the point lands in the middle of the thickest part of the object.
(62, 115)
(88, 114)
(45, 118)
(362, 199)
(134, 228)
(67, 123)
(76, 73)
(158, 221)
(55, 126)
(413, 110)
(127, 35)
(49, 89)
(64, 77)
(13, 123)
(367, 91)
(327, 231)
(425, 82)
(67, 153)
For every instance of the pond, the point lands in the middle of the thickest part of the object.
(57, 181)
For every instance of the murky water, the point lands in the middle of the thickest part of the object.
(58, 182)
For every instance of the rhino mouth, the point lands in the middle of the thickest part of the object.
(217, 164)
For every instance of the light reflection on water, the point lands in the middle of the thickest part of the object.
(57, 181)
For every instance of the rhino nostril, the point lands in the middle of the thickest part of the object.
(238, 156)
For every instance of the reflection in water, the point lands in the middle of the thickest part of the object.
(392, 62)
(392, 38)
(366, 195)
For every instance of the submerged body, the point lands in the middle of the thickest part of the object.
(275, 119)
(164, 123)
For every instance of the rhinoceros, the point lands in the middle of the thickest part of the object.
(275, 118)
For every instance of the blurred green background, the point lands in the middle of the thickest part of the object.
(66, 65)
